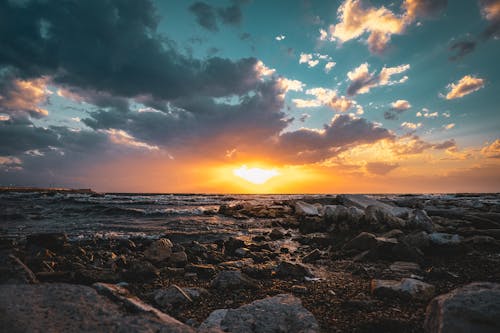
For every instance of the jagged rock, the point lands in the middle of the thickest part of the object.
(281, 313)
(363, 202)
(292, 270)
(418, 219)
(232, 280)
(57, 307)
(472, 308)
(172, 296)
(53, 241)
(406, 288)
(159, 250)
(379, 216)
(303, 208)
(363, 241)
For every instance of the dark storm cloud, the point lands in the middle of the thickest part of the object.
(462, 48)
(208, 16)
(119, 52)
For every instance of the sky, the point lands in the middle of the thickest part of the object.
(242, 96)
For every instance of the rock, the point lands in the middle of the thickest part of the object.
(261, 271)
(159, 250)
(57, 307)
(195, 292)
(303, 208)
(363, 241)
(309, 224)
(242, 252)
(419, 220)
(53, 241)
(312, 256)
(232, 244)
(406, 288)
(14, 271)
(419, 239)
(362, 202)
(343, 218)
(440, 239)
(394, 233)
(472, 308)
(379, 216)
(290, 270)
(178, 259)
(232, 280)
(276, 234)
(140, 270)
(281, 313)
(297, 289)
(172, 296)
(202, 271)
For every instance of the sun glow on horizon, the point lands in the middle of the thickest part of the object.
(255, 175)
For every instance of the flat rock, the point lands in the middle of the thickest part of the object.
(405, 288)
(281, 313)
(472, 308)
(73, 308)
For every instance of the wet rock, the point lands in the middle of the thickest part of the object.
(57, 307)
(290, 270)
(172, 296)
(472, 308)
(406, 288)
(363, 241)
(312, 256)
(276, 234)
(232, 280)
(53, 241)
(14, 271)
(202, 271)
(281, 313)
(303, 208)
(363, 202)
(419, 220)
(140, 270)
(159, 250)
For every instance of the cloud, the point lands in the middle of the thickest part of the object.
(492, 150)
(303, 117)
(412, 145)
(410, 125)
(397, 108)
(207, 15)
(356, 18)
(121, 137)
(380, 168)
(279, 38)
(327, 97)
(490, 9)
(362, 80)
(466, 85)
(448, 126)
(462, 48)
(313, 59)
(329, 66)
(9, 163)
(427, 114)
(23, 98)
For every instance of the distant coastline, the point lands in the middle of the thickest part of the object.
(45, 189)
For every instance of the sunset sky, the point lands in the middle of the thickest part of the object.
(298, 96)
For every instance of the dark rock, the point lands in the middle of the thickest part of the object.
(379, 217)
(276, 234)
(419, 220)
(261, 271)
(159, 250)
(232, 244)
(312, 256)
(140, 270)
(202, 271)
(281, 313)
(178, 259)
(472, 308)
(14, 271)
(406, 288)
(53, 241)
(231, 280)
(363, 241)
(58, 307)
(310, 224)
(290, 270)
(172, 296)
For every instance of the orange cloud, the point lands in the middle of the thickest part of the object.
(21, 97)
(465, 86)
(492, 150)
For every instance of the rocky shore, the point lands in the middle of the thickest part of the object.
(346, 263)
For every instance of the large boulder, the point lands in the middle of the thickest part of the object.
(303, 208)
(379, 217)
(281, 313)
(159, 250)
(343, 218)
(405, 288)
(58, 307)
(472, 308)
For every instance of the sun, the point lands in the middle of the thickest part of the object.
(255, 175)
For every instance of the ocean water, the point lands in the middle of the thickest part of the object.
(124, 215)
